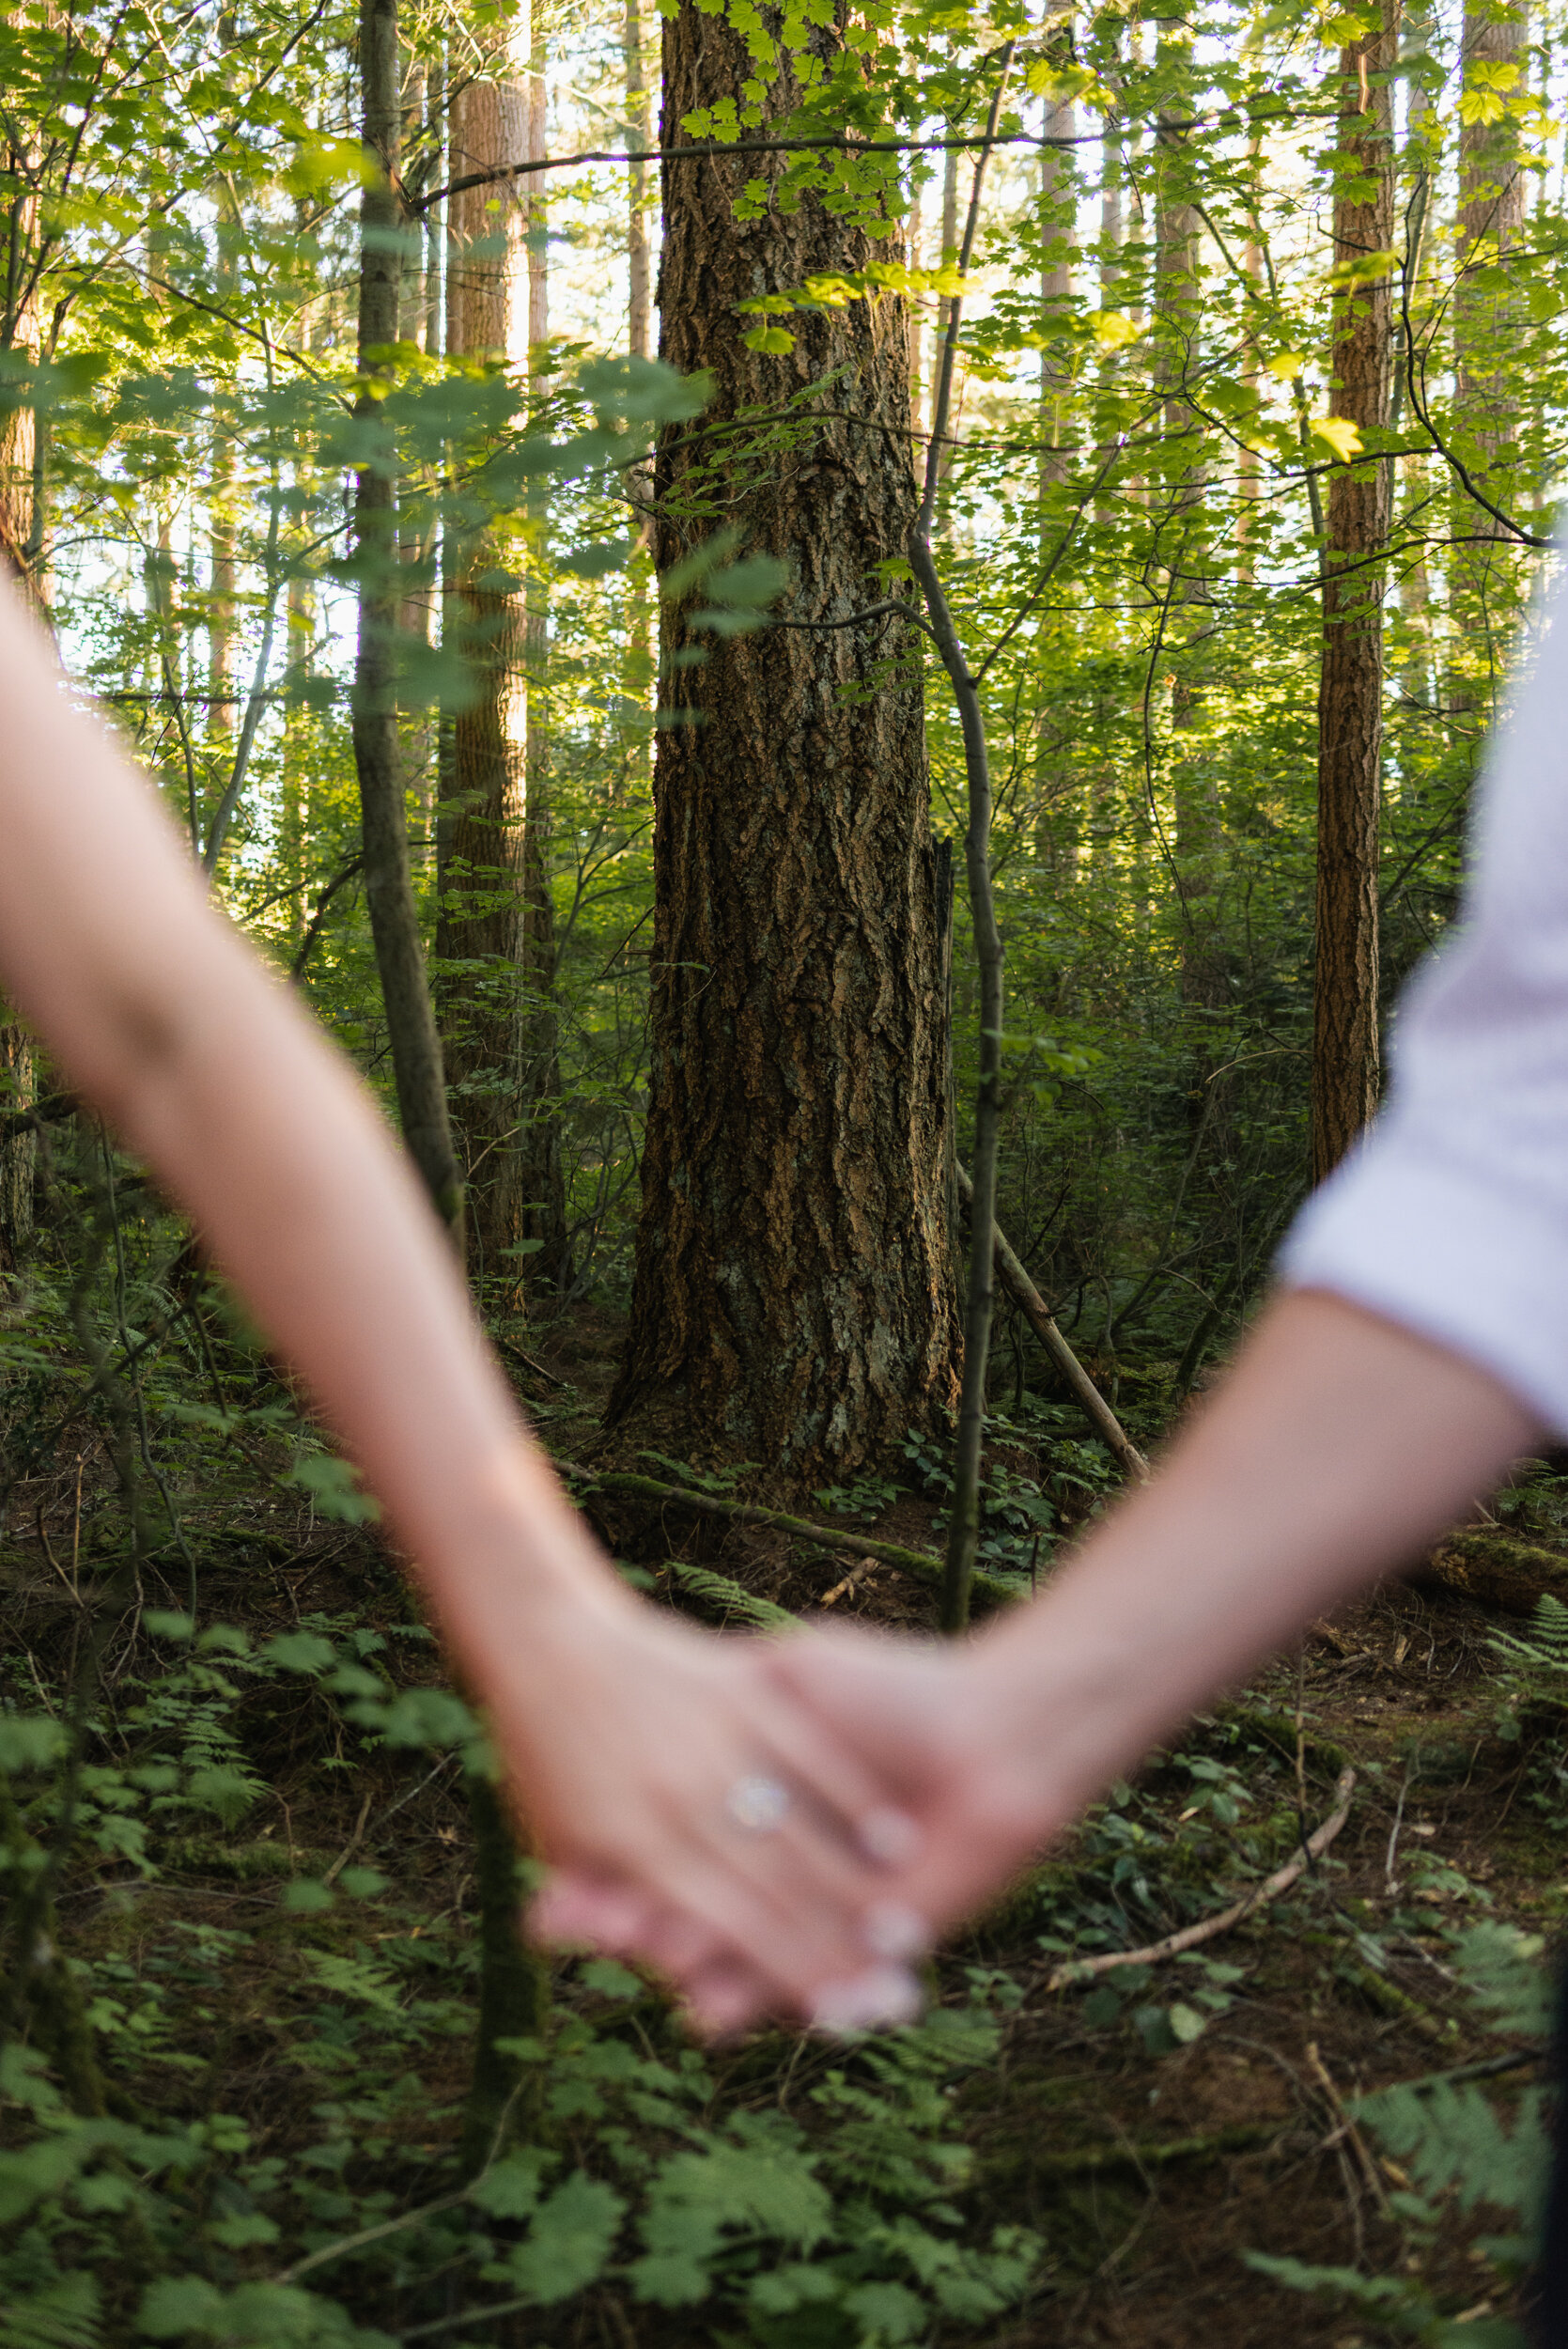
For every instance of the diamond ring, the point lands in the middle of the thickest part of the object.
(760, 1805)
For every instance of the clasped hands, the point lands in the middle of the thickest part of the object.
(779, 1826)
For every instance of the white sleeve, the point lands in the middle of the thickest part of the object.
(1451, 1217)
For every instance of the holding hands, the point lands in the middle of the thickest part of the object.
(1338, 1446)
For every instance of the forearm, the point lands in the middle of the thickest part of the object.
(1335, 1448)
(309, 1207)
(209, 1068)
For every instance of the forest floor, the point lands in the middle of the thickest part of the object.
(1152, 2168)
(1151, 2129)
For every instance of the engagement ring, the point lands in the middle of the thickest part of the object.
(760, 1805)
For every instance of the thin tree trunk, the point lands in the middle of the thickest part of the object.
(479, 939)
(21, 557)
(945, 302)
(540, 1178)
(1346, 1052)
(1490, 225)
(1177, 306)
(639, 281)
(1423, 155)
(793, 1298)
(963, 1528)
(389, 888)
(1057, 814)
(1058, 214)
(222, 638)
(637, 674)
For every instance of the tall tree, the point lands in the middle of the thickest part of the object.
(411, 1032)
(479, 938)
(1346, 1047)
(1185, 527)
(794, 1289)
(639, 281)
(1490, 224)
(542, 1181)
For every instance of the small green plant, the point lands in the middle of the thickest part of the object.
(1460, 2154)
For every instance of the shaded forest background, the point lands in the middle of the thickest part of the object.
(775, 616)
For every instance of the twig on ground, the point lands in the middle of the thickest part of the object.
(1209, 1928)
(1390, 1881)
(1346, 2129)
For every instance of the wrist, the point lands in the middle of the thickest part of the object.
(1062, 1707)
(512, 1569)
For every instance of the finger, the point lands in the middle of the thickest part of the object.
(793, 1904)
(577, 1908)
(852, 1799)
(723, 1999)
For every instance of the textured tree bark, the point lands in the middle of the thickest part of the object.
(794, 1292)
(1345, 1049)
(479, 935)
(388, 883)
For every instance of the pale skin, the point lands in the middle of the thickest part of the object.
(623, 1730)
(1336, 1448)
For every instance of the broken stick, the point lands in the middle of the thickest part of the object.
(1209, 1928)
(1022, 1289)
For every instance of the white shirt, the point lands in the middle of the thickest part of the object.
(1451, 1216)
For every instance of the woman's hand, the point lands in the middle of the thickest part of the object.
(701, 1818)
(938, 1728)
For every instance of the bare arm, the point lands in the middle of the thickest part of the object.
(623, 1730)
(1337, 1446)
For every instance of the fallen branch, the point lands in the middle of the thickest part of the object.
(514, 1352)
(916, 1561)
(1210, 1928)
(1496, 1571)
(1033, 1306)
(1088, 2160)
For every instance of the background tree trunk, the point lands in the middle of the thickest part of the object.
(638, 279)
(793, 1297)
(388, 883)
(1490, 224)
(541, 1183)
(1199, 839)
(479, 937)
(1345, 1049)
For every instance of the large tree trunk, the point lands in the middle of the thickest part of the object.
(1345, 1053)
(388, 883)
(794, 1295)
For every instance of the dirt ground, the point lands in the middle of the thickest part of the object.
(1148, 2165)
(1149, 2179)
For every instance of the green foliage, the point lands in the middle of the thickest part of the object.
(1460, 2153)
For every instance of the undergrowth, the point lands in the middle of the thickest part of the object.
(241, 1951)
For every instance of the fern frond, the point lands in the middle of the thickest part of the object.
(731, 1598)
(63, 2316)
(1543, 1647)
